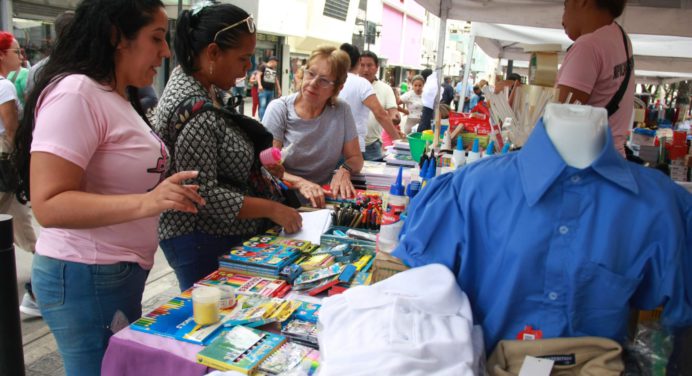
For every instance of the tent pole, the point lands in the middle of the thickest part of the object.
(467, 66)
(439, 65)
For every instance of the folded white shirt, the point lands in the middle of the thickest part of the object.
(417, 322)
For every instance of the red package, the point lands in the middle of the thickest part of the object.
(477, 123)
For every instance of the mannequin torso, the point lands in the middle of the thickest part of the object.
(577, 132)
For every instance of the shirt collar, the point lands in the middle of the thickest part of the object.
(431, 288)
(540, 165)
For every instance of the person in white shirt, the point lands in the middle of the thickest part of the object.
(359, 94)
(428, 97)
(413, 104)
(369, 64)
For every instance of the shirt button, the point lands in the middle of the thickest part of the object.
(552, 296)
(576, 179)
(563, 230)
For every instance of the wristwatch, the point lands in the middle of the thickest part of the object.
(347, 167)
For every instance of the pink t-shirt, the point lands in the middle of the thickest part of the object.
(596, 65)
(95, 128)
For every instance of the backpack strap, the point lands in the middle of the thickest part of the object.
(614, 104)
(195, 105)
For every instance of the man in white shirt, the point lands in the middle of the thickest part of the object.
(369, 65)
(429, 91)
(360, 95)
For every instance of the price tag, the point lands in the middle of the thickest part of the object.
(536, 367)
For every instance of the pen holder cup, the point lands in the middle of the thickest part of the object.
(205, 304)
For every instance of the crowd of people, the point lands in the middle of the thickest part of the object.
(206, 181)
(130, 172)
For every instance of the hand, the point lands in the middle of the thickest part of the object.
(286, 217)
(260, 89)
(276, 170)
(341, 184)
(312, 192)
(173, 194)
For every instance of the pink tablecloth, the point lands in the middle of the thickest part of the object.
(135, 353)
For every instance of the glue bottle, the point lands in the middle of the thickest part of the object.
(273, 156)
(459, 155)
(391, 225)
(474, 154)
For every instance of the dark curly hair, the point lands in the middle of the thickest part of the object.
(87, 46)
(196, 30)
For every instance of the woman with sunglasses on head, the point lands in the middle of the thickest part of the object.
(214, 44)
(97, 175)
(320, 127)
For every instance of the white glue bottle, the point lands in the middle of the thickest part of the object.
(391, 225)
(475, 153)
(459, 155)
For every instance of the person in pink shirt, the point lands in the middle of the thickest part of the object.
(96, 173)
(598, 69)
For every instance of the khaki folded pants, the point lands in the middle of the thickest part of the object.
(584, 356)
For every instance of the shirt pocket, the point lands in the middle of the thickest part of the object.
(600, 306)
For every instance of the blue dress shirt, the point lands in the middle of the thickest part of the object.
(533, 241)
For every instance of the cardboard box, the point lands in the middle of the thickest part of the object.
(386, 266)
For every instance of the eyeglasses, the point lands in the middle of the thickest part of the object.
(322, 82)
(249, 22)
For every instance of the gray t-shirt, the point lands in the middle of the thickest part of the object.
(319, 142)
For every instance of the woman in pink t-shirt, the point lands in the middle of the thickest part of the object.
(97, 175)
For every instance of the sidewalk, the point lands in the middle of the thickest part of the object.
(41, 357)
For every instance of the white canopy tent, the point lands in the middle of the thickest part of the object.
(664, 57)
(659, 29)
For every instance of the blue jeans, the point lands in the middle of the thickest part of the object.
(373, 152)
(265, 97)
(194, 256)
(84, 305)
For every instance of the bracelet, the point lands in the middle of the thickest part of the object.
(347, 167)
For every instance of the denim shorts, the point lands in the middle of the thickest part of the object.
(85, 304)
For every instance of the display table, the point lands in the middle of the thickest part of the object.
(131, 352)
(135, 353)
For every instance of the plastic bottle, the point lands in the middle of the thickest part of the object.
(412, 189)
(490, 150)
(274, 156)
(391, 225)
(270, 156)
(459, 155)
(474, 154)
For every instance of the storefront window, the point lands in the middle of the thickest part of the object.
(36, 38)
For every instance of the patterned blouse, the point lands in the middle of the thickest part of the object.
(221, 152)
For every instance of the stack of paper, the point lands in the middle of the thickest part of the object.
(379, 176)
